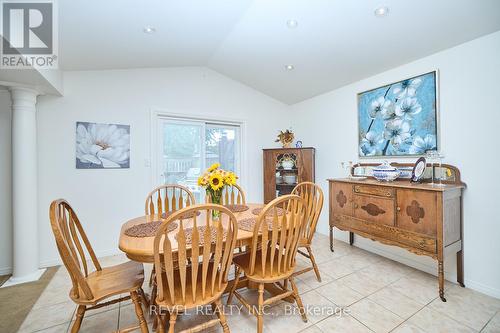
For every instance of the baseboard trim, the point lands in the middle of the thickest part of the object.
(5, 270)
(365, 244)
(57, 261)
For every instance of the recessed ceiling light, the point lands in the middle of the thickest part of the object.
(149, 30)
(289, 67)
(381, 11)
(292, 24)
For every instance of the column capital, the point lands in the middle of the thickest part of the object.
(23, 96)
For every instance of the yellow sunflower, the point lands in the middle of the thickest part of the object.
(216, 181)
(213, 167)
(230, 178)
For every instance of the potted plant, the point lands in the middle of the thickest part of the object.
(286, 138)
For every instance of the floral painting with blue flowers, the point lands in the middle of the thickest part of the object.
(399, 119)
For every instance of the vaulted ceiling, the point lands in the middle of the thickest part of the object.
(336, 42)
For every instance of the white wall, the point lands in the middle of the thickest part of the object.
(470, 121)
(104, 199)
(5, 182)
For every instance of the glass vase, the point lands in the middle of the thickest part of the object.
(215, 198)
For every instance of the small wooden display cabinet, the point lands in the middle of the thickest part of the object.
(284, 168)
(424, 218)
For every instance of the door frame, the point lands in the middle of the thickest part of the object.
(157, 113)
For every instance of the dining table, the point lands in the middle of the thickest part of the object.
(141, 249)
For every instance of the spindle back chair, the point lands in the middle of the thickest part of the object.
(313, 196)
(231, 195)
(168, 198)
(90, 289)
(271, 258)
(195, 266)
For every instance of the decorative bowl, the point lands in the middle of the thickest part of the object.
(290, 179)
(287, 163)
(386, 172)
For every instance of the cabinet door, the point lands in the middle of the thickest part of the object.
(269, 176)
(417, 211)
(374, 209)
(305, 164)
(341, 198)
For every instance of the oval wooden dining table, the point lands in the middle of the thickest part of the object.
(140, 249)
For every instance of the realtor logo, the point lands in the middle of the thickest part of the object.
(29, 35)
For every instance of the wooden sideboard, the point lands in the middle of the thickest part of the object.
(423, 218)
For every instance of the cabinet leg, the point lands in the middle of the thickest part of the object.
(351, 238)
(460, 268)
(441, 280)
(331, 238)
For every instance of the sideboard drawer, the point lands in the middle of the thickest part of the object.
(381, 191)
(374, 209)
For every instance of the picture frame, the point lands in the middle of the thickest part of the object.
(102, 146)
(399, 119)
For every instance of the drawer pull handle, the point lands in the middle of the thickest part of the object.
(356, 189)
(388, 194)
(398, 209)
(355, 205)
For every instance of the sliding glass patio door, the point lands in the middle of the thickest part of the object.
(186, 148)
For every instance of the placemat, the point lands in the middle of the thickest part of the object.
(201, 235)
(256, 211)
(148, 229)
(183, 216)
(249, 223)
(237, 208)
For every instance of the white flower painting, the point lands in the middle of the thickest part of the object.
(102, 146)
(399, 119)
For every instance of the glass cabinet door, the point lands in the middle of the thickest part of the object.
(287, 173)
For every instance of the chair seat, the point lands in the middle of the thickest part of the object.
(199, 298)
(303, 242)
(111, 281)
(260, 275)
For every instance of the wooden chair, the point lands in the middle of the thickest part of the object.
(90, 291)
(168, 198)
(313, 196)
(231, 195)
(195, 275)
(272, 254)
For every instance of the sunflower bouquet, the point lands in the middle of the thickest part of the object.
(213, 180)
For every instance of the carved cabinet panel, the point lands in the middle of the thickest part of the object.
(374, 209)
(341, 198)
(416, 211)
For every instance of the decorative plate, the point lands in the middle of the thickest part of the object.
(418, 170)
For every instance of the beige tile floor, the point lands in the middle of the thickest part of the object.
(374, 293)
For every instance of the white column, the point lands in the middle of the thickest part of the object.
(24, 187)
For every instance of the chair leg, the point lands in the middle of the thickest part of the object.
(260, 314)
(313, 261)
(80, 312)
(298, 300)
(160, 327)
(152, 301)
(152, 276)
(235, 284)
(145, 301)
(173, 319)
(138, 311)
(219, 311)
